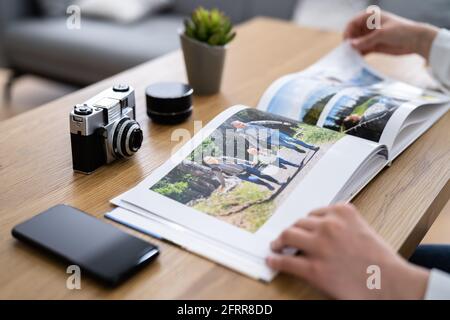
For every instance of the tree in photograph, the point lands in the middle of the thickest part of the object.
(187, 182)
(207, 148)
(313, 114)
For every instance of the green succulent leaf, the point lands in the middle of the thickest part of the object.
(210, 26)
(215, 39)
(230, 37)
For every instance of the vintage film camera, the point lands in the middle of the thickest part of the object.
(104, 129)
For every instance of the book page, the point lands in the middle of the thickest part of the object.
(194, 242)
(342, 93)
(249, 174)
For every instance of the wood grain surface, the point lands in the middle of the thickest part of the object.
(36, 173)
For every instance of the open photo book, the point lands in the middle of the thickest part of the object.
(316, 138)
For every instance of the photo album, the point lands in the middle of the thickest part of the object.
(316, 138)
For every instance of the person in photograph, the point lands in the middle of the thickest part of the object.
(258, 134)
(351, 121)
(267, 157)
(242, 169)
(371, 124)
(337, 244)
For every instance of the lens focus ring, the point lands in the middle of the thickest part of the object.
(127, 138)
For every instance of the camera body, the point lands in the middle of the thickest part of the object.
(104, 129)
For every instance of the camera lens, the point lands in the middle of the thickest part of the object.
(127, 138)
(136, 138)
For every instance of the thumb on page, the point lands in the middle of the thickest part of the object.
(367, 43)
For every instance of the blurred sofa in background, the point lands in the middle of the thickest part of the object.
(436, 12)
(35, 39)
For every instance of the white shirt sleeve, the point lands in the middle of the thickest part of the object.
(438, 287)
(440, 57)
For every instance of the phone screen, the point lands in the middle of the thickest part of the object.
(95, 246)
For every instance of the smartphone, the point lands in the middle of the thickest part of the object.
(98, 248)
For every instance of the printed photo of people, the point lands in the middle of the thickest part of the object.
(310, 95)
(364, 115)
(246, 167)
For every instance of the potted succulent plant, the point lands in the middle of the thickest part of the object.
(204, 40)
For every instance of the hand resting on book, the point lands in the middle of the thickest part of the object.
(339, 250)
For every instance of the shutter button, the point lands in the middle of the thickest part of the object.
(121, 88)
(82, 110)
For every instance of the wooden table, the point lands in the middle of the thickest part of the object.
(36, 173)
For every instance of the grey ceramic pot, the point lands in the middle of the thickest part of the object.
(204, 65)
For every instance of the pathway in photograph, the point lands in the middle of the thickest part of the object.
(283, 175)
(240, 217)
(310, 162)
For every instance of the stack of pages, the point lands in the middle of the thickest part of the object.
(317, 138)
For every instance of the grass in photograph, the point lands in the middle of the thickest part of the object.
(362, 108)
(316, 135)
(244, 206)
(171, 190)
(256, 216)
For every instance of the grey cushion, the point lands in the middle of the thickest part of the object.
(236, 10)
(240, 10)
(98, 50)
(53, 8)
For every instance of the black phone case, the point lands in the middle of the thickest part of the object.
(109, 276)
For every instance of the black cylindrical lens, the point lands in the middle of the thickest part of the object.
(128, 138)
(136, 139)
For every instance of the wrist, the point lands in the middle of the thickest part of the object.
(408, 282)
(426, 35)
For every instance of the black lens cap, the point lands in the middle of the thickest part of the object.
(169, 102)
